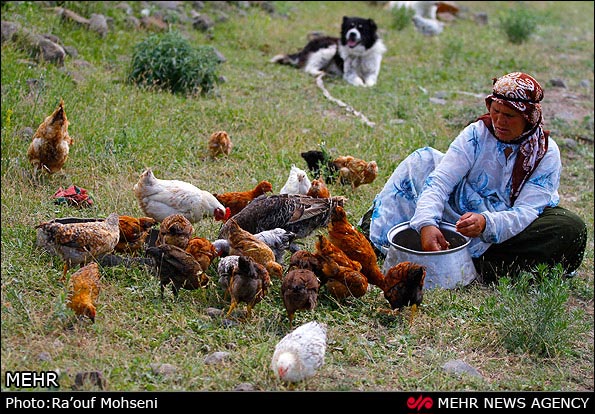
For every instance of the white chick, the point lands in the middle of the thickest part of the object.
(297, 183)
(278, 239)
(300, 353)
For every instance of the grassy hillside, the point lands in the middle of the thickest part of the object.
(273, 113)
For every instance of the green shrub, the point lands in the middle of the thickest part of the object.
(531, 313)
(401, 17)
(168, 61)
(518, 24)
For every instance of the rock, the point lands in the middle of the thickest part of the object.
(213, 312)
(460, 367)
(481, 19)
(44, 356)
(202, 23)
(9, 29)
(48, 51)
(72, 16)
(98, 24)
(245, 386)
(558, 83)
(217, 358)
(89, 379)
(163, 369)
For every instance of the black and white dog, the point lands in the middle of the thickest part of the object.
(356, 55)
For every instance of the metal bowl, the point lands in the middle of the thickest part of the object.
(445, 269)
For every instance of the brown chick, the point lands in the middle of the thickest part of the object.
(325, 248)
(355, 171)
(404, 283)
(219, 144)
(237, 200)
(51, 143)
(175, 230)
(355, 245)
(81, 243)
(133, 233)
(244, 243)
(342, 281)
(83, 290)
(249, 283)
(299, 291)
(202, 250)
(318, 189)
(303, 259)
(178, 267)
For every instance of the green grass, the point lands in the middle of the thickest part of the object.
(272, 113)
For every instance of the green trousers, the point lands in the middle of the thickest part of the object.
(556, 236)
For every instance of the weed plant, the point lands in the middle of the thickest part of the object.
(518, 25)
(168, 61)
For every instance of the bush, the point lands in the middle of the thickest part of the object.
(401, 17)
(531, 313)
(168, 61)
(519, 25)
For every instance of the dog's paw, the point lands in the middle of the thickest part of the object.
(355, 81)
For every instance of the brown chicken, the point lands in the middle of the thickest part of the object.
(219, 144)
(249, 283)
(237, 200)
(81, 243)
(133, 234)
(175, 230)
(325, 248)
(354, 171)
(340, 274)
(83, 290)
(299, 291)
(303, 259)
(51, 143)
(244, 243)
(342, 281)
(318, 189)
(403, 286)
(178, 267)
(202, 250)
(355, 245)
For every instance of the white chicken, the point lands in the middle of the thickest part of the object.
(159, 199)
(297, 182)
(300, 353)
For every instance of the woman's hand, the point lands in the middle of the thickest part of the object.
(432, 239)
(471, 224)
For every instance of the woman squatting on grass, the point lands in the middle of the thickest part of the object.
(497, 182)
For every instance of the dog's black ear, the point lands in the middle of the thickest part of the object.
(345, 18)
(373, 24)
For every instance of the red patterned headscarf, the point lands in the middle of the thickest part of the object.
(522, 93)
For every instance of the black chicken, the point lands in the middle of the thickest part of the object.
(178, 267)
(249, 283)
(299, 214)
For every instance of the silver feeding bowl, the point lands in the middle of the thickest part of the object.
(447, 269)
